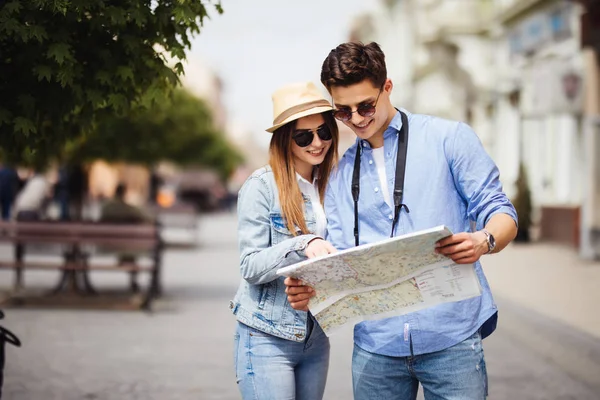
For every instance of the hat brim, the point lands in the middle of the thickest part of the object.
(316, 110)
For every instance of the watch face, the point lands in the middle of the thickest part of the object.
(492, 241)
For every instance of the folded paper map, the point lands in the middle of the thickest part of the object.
(388, 278)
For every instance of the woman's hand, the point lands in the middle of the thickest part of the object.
(319, 247)
(298, 293)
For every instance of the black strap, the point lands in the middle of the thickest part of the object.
(398, 179)
(356, 189)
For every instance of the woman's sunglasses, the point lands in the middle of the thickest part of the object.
(304, 137)
(364, 109)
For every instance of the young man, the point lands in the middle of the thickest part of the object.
(448, 180)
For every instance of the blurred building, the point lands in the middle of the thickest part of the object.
(205, 83)
(539, 73)
(438, 56)
(516, 72)
(590, 125)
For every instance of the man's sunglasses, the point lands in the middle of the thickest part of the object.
(304, 137)
(364, 109)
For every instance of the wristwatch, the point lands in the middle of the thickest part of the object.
(491, 242)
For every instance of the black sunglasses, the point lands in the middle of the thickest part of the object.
(304, 137)
(364, 109)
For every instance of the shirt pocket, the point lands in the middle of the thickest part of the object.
(280, 232)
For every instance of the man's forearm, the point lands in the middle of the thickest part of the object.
(503, 228)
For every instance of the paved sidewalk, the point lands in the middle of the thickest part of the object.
(549, 279)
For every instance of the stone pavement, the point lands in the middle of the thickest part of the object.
(549, 279)
(183, 350)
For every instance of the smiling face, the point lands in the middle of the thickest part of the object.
(305, 158)
(359, 96)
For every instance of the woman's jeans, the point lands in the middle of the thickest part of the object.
(456, 373)
(271, 368)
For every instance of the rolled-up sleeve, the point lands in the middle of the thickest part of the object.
(477, 178)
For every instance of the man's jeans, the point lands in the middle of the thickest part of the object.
(456, 373)
(271, 368)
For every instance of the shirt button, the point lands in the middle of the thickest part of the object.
(370, 161)
(390, 216)
(376, 190)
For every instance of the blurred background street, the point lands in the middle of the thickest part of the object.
(126, 125)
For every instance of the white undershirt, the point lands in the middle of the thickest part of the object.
(312, 191)
(379, 157)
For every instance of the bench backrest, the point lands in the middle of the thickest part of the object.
(118, 236)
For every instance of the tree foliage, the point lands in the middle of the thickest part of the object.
(177, 128)
(66, 63)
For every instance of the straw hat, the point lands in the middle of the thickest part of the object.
(295, 101)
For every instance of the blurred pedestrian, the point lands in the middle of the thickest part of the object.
(31, 201)
(118, 211)
(9, 182)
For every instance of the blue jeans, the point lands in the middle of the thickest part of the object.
(456, 373)
(271, 368)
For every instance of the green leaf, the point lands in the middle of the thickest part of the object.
(10, 26)
(59, 52)
(103, 77)
(39, 33)
(94, 97)
(43, 72)
(24, 125)
(117, 101)
(125, 73)
(179, 68)
(138, 17)
(13, 7)
(65, 77)
(117, 15)
(5, 116)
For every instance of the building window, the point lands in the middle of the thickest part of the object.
(559, 23)
(541, 29)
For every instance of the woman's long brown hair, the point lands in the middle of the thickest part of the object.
(281, 161)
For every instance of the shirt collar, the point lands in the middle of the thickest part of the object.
(300, 179)
(394, 126)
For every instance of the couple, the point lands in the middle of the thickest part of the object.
(301, 206)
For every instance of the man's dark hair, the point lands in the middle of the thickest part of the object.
(352, 63)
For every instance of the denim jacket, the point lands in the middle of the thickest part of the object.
(265, 246)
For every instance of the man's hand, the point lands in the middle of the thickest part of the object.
(463, 248)
(319, 247)
(298, 293)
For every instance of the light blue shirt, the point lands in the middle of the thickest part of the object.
(450, 180)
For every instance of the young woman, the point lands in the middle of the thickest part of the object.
(281, 353)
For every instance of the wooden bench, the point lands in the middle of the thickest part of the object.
(78, 240)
